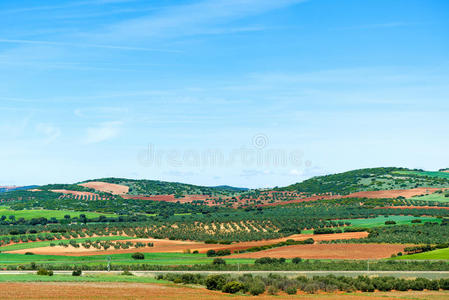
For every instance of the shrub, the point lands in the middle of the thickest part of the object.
(273, 290)
(232, 287)
(215, 282)
(257, 287)
(296, 260)
(44, 272)
(128, 273)
(219, 261)
(311, 288)
(211, 253)
(29, 253)
(291, 290)
(390, 222)
(77, 272)
(138, 255)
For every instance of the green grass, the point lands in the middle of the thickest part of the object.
(47, 243)
(124, 258)
(426, 173)
(380, 221)
(435, 197)
(43, 213)
(435, 254)
(85, 278)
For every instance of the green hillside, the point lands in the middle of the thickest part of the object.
(156, 187)
(372, 179)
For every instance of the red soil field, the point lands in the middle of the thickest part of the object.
(168, 246)
(120, 290)
(329, 251)
(115, 189)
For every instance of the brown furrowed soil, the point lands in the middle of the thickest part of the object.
(88, 291)
(169, 246)
(116, 189)
(329, 251)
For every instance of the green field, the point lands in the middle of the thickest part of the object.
(435, 197)
(426, 173)
(380, 221)
(124, 258)
(47, 243)
(43, 213)
(84, 278)
(435, 254)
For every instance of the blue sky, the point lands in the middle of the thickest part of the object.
(253, 93)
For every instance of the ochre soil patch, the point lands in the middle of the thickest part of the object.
(168, 246)
(394, 193)
(329, 251)
(116, 189)
(89, 290)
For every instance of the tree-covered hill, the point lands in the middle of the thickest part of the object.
(156, 187)
(372, 179)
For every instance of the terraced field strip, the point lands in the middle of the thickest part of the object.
(32, 245)
(380, 221)
(43, 213)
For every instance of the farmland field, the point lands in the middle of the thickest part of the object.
(380, 220)
(31, 245)
(44, 213)
(442, 254)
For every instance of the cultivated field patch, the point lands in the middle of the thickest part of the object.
(329, 251)
(115, 189)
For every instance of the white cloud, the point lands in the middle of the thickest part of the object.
(49, 131)
(105, 131)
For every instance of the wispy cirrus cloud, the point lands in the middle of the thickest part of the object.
(203, 17)
(49, 131)
(103, 132)
(82, 45)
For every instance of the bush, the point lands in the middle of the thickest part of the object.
(127, 273)
(273, 290)
(291, 290)
(257, 287)
(390, 222)
(29, 253)
(311, 288)
(211, 253)
(296, 260)
(232, 287)
(138, 255)
(215, 282)
(77, 272)
(44, 272)
(219, 261)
